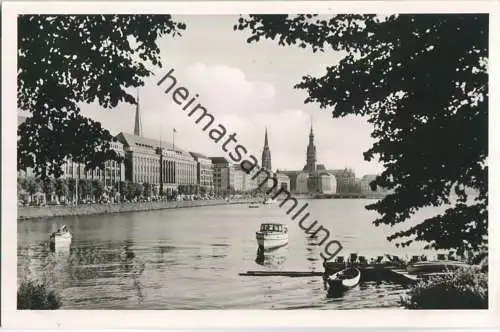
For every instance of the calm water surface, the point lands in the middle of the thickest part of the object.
(190, 259)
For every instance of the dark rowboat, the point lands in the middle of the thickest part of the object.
(344, 280)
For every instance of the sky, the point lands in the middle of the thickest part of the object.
(247, 87)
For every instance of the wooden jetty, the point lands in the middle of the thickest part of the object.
(392, 270)
(375, 273)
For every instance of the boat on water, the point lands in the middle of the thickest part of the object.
(272, 236)
(343, 280)
(60, 238)
(270, 201)
(253, 206)
(438, 266)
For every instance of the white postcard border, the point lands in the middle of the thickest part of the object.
(13, 318)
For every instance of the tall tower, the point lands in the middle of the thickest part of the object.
(266, 155)
(138, 123)
(311, 153)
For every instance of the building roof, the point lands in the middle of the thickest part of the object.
(292, 173)
(344, 171)
(282, 175)
(198, 155)
(131, 140)
(324, 173)
(219, 160)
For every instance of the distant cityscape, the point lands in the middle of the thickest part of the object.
(163, 168)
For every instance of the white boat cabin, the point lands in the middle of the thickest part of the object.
(278, 228)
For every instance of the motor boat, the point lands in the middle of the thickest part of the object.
(60, 238)
(272, 236)
(270, 201)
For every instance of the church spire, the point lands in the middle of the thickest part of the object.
(311, 153)
(265, 140)
(138, 123)
(311, 133)
(266, 154)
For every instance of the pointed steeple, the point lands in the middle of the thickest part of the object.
(311, 133)
(311, 152)
(138, 123)
(266, 154)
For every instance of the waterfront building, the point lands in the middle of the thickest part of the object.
(302, 183)
(239, 176)
(314, 178)
(156, 162)
(364, 184)
(146, 160)
(346, 180)
(365, 181)
(249, 183)
(112, 173)
(204, 172)
(283, 181)
(292, 177)
(223, 174)
(322, 182)
(243, 181)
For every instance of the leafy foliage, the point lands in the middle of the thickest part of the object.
(466, 288)
(427, 97)
(148, 189)
(66, 60)
(98, 188)
(62, 189)
(35, 295)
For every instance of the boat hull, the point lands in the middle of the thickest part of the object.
(270, 201)
(60, 240)
(337, 284)
(271, 241)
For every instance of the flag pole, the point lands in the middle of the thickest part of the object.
(161, 163)
(173, 138)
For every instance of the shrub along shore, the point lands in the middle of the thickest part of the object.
(50, 211)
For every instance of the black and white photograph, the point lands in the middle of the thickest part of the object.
(310, 158)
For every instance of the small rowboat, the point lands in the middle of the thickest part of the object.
(343, 280)
(254, 206)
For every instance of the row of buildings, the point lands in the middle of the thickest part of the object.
(167, 166)
(160, 164)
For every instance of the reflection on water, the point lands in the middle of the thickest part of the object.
(191, 258)
(271, 258)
